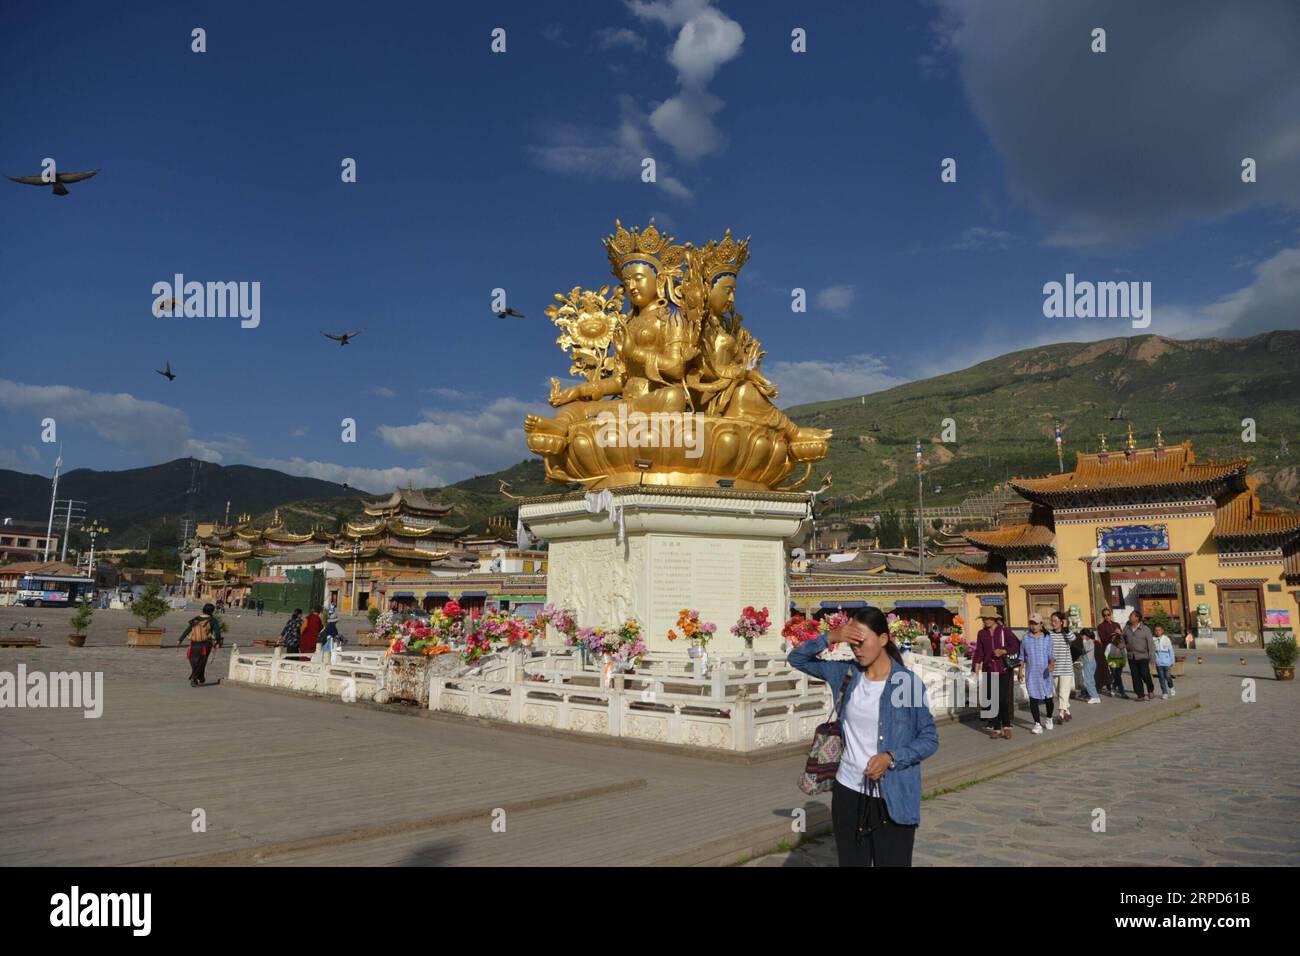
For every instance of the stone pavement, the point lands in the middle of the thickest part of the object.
(291, 780)
(1219, 785)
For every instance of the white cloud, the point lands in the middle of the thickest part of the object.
(685, 123)
(982, 237)
(1113, 148)
(22, 459)
(380, 391)
(706, 41)
(819, 380)
(610, 38)
(837, 298)
(464, 443)
(370, 480)
(114, 416)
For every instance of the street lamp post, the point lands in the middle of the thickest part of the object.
(94, 529)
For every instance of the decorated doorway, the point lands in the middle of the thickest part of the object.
(1241, 617)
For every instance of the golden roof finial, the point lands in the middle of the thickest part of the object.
(1160, 438)
(1102, 436)
(1131, 443)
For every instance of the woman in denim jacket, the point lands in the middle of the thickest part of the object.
(887, 731)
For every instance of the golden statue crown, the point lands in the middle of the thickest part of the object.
(725, 257)
(648, 245)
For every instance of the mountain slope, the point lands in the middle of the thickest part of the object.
(1004, 411)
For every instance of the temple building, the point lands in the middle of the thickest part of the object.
(1148, 529)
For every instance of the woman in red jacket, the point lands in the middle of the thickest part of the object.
(310, 628)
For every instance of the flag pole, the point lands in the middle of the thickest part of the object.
(54, 494)
(920, 513)
(1060, 459)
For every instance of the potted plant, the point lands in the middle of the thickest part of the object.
(1282, 652)
(148, 607)
(80, 622)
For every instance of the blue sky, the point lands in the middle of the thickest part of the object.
(479, 170)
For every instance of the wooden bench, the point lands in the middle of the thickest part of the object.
(16, 640)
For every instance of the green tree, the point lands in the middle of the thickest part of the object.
(81, 620)
(150, 605)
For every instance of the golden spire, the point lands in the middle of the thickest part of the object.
(1131, 442)
(1160, 439)
(1102, 436)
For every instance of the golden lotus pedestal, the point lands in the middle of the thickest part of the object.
(613, 446)
(648, 551)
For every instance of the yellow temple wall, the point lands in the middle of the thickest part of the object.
(1192, 535)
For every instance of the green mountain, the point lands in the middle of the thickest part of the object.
(1004, 411)
(142, 504)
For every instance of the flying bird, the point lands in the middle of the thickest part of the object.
(508, 311)
(59, 180)
(166, 307)
(168, 374)
(341, 339)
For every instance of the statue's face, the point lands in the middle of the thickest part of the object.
(722, 295)
(639, 281)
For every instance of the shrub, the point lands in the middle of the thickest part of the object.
(1282, 650)
(81, 620)
(150, 605)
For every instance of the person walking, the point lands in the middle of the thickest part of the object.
(1063, 666)
(1116, 661)
(887, 731)
(1106, 632)
(1164, 661)
(1036, 653)
(331, 633)
(260, 604)
(291, 633)
(1088, 651)
(310, 628)
(204, 632)
(994, 658)
(1141, 647)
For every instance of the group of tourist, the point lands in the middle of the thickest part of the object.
(1053, 664)
(300, 635)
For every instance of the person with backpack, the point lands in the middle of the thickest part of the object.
(204, 632)
(1116, 661)
(291, 633)
(330, 636)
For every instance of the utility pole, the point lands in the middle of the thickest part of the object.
(54, 493)
(80, 508)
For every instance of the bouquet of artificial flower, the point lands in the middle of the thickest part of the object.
(693, 629)
(797, 630)
(752, 624)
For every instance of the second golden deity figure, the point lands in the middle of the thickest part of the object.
(673, 394)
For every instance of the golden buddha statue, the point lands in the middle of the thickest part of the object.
(680, 359)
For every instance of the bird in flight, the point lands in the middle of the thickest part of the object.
(509, 311)
(341, 339)
(168, 374)
(59, 179)
(167, 307)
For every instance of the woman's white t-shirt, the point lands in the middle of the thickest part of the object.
(860, 725)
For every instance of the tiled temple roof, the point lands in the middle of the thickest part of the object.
(1016, 537)
(1173, 467)
(407, 498)
(1243, 516)
(971, 577)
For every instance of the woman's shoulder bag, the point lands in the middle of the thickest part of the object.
(827, 749)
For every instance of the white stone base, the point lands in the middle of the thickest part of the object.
(713, 551)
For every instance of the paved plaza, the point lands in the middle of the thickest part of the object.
(287, 779)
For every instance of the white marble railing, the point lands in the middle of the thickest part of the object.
(743, 703)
